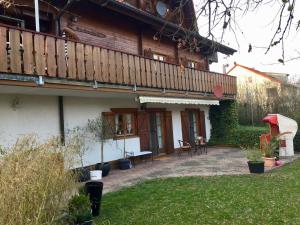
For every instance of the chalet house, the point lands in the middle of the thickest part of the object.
(142, 63)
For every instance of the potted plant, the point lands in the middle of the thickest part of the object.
(124, 163)
(80, 210)
(76, 142)
(255, 160)
(270, 150)
(102, 129)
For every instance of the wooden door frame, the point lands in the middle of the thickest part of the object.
(163, 124)
(200, 128)
(163, 114)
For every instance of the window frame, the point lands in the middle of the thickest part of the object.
(158, 55)
(123, 112)
(191, 64)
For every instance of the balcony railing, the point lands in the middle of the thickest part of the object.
(29, 53)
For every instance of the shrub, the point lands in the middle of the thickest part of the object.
(297, 141)
(34, 183)
(297, 137)
(224, 122)
(249, 136)
(80, 209)
(253, 154)
(243, 136)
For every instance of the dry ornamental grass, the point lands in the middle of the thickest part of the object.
(35, 183)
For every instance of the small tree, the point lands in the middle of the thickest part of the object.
(76, 141)
(102, 129)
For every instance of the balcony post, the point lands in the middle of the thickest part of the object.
(37, 16)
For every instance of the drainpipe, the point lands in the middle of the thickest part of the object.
(61, 98)
(61, 119)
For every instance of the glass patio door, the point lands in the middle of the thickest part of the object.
(193, 126)
(156, 133)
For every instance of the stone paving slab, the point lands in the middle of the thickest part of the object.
(218, 161)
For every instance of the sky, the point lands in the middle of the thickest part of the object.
(257, 28)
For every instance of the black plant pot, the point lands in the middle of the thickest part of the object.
(94, 189)
(256, 167)
(87, 223)
(84, 174)
(124, 164)
(105, 168)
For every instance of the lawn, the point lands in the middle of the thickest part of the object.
(272, 198)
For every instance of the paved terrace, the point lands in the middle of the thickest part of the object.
(218, 161)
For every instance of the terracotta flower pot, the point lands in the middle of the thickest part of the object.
(269, 162)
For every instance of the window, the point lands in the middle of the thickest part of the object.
(159, 57)
(159, 130)
(123, 121)
(191, 64)
(195, 124)
(25, 18)
(124, 124)
(272, 92)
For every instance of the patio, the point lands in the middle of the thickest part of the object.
(218, 161)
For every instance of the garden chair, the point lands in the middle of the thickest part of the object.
(202, 144)
(184, 147)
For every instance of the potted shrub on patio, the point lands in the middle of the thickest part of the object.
(124, 163)
(76, 142)
(270, 152)
(255, 160)
(102, 129)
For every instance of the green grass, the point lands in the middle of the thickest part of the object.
(272, 198)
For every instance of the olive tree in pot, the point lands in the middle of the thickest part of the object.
(124, 163)
(102, 129)
(76, 141)
(255, 160)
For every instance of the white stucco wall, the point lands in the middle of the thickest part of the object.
(77, 112)
(26, 114)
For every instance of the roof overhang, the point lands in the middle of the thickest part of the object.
(140, 15)
(181, 101)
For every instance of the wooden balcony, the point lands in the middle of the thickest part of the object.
(30, 54)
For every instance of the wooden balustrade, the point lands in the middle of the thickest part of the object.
(25, 52)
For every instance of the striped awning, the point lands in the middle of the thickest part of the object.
(184, 101)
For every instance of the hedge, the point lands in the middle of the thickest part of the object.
(227, 131)
(224, 122)
(297, 141)
(243, 136)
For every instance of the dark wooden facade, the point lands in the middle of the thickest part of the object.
(89, 41)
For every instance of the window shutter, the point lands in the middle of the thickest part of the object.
(169, 132)
(198, 66)
(185, 125)
(202, 130)
(183, 61)
(143, 130)
(148, 53)
(109, 121)
(169, 59)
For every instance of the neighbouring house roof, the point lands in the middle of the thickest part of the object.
(281, 78)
